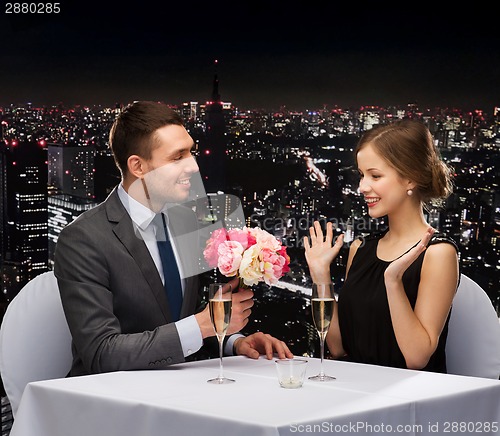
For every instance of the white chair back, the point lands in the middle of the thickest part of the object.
(473, 343)
(35, 341)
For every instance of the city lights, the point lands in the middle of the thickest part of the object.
(288, 167)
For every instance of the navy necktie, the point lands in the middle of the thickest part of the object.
(172, 280)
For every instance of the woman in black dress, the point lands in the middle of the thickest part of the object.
(394, 306)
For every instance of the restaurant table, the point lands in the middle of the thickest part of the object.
(364, 399)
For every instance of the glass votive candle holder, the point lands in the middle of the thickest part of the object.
(291, 372)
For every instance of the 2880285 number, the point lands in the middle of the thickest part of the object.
(32, 8)
(470, 427)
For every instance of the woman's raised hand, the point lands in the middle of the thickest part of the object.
(396, 269)
(321, 250)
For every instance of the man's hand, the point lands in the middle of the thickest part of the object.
(260, 343)
(242, 302)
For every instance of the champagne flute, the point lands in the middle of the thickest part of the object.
(220, 303)
(322, 301)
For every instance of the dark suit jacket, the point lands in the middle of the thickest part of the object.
(113, 296)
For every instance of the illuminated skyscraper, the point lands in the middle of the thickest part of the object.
(63, 209)
(213, 146)
(71, 170)
(3, 201)
(71, 182)
(24, 214)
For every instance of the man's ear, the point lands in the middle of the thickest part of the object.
(136, 167)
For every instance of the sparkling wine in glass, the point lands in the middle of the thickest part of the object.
(322, 303)
(220, 303)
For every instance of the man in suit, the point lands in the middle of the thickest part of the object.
(109, 267)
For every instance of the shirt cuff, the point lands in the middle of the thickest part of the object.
(189, 335)
(228, 349)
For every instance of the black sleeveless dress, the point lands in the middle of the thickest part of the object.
(364, 317)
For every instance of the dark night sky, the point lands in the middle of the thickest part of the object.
(269, 52)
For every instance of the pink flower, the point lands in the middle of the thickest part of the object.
(272, 265)
(283, 253)
(211, 250)
(243, 236)
(266, 240)
(251, 236)
(230, 255)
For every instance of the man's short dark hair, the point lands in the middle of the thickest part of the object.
(133, 130)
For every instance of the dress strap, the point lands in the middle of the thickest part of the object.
(439, 238)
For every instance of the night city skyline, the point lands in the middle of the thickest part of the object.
(295, 155)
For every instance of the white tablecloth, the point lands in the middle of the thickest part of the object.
(364, 399)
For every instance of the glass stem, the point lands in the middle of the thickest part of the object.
(322, 351)
(221, 340)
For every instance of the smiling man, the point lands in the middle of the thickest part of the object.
(120, 272)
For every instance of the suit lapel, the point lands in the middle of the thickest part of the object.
(124, 231)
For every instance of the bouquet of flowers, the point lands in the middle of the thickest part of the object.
(250, 253)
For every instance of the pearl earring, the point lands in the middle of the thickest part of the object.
(409, 192)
